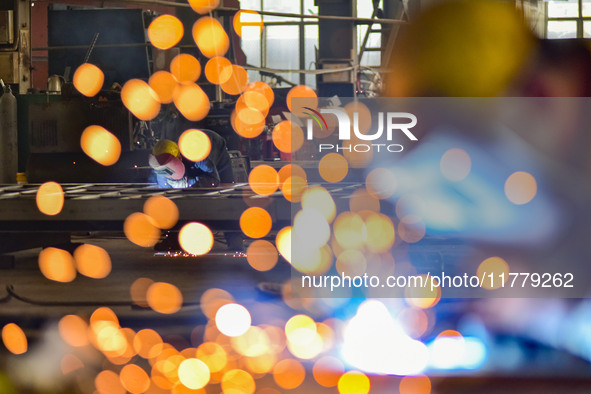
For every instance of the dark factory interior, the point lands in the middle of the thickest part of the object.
(295, 196)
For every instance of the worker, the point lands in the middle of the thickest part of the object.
(172, 170)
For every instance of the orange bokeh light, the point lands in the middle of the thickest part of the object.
(162, 210)
(140, 99)
(164, 84)
(291, 170)
(238, 381)
(333, 167)
(246, 130)
(88, 79)
(100, 145)
(191, 101)
(50, 198)
(164, 297)
(108, 382)
(139, 289)
(327, 371)
(70, 363)
(299, 97)
(289, 374)
(255, 222)
(236, 82)
(148, 343)
(57, 264)
(264, 88)
(213, 355)
(252, 20)
(210, 37)
(288, 137)
(185, 68)
(141, 229)
(194, 145)
(134, 379)
(255, 100)
(520, 187)
(203, 6)
(212, 299)
(263, 180)
(92, 261)
(293, 188)
(165, 32)
(73, 330)
(196, 238)
(214, 68)
(262, 255)
(415, 385)
(14, 339)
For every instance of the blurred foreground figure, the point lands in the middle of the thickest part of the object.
(460, 48)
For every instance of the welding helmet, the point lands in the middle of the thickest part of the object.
(166, 146)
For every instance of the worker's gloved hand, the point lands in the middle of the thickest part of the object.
(168, 166)
(177, 184)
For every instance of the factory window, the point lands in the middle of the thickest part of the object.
(568, 19)
(290, 43)
(286, 43)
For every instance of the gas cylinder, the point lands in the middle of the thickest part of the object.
(8, 136)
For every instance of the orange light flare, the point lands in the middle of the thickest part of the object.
(333, 167)
(108, 382)
(262, 255)
(164, 84)
(423, 297)
(411, 228)
(213, 355)
(141, 229)
(195, 145)
(73, 330)
(327, 370)
(380, 233)
(246, 130)
(248, 22)
(88, 79)
(520, 188)
(138, 290)
(254, 99)
(212, 300)
(264, 88)
(283, 242)
(263, 180)
(255, 222)
(140, 99)
(70, 363)
(253, 343)
(289, 374)
(92, 261)
(293, 188)
(350, 230)
(204, 6)
(147, 343)
(210, 37)
(419, 384)
(362, 200)
(288, 137)
(214, 68)
(50, 198)
(299, 97)
(318, 198)
(291, 170)
(164, 298)
(236, 80)
(185, 68)
(193, 373)
(196, 238)
(238, 381)
(495, 272)
(165, 32)
(14, 339)
(57, 265)
(191, 101)
(162, 210)
(134, 379)
(100, 145)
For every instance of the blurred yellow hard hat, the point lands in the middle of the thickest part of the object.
(166, 146)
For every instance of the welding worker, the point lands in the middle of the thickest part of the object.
(174, 171)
